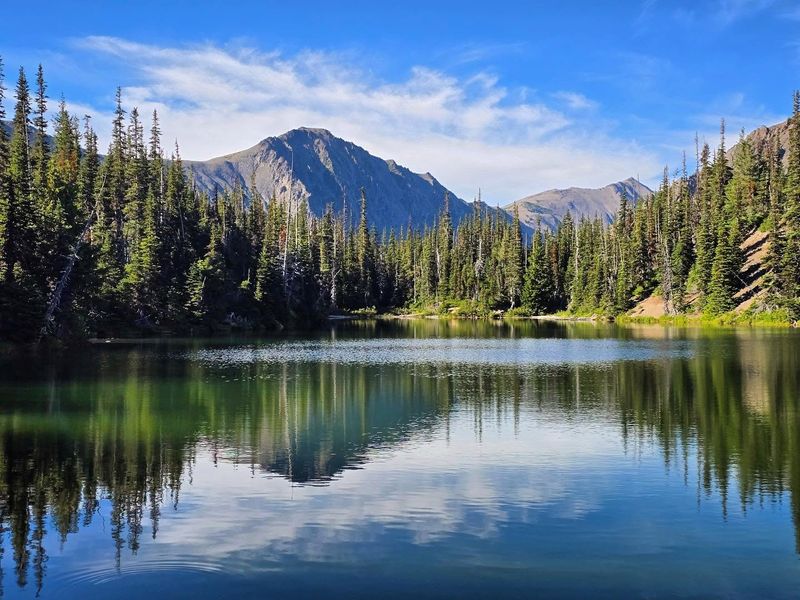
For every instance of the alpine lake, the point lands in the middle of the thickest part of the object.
(422, 458)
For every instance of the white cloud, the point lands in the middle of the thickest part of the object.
(575, 100)
(469, 132)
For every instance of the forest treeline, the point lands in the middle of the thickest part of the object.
(95, 244)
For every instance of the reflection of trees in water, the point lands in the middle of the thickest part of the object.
(738, 403)
(735, 401)
(55, 480)
(127, 435)
(123, 429)
(325, 418)
(733, 405)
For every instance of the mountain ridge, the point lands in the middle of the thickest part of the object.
(551, 206)
(330, 170)
(315, 165)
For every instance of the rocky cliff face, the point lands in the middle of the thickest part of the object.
(324, 169)
(764, 138)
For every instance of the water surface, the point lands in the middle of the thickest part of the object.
(385, 459)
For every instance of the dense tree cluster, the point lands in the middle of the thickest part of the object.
(683, 243)
(93, 244)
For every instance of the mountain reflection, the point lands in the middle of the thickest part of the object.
(116, 430)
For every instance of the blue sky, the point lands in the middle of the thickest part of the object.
(511, 97)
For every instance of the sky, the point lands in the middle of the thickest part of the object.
(511, 98)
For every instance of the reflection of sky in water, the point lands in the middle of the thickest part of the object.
(547, 505)
(508, 481)
(461, 351)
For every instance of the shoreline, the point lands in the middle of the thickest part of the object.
(764, 319)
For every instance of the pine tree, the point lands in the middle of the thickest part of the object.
(58, 211)
(205, 283)
(537, 290)
(682, 252)
(6, 193)
(89, 169)
(40, 150)
(775, 255)
(22, 296)
(705, 241)
(444, 248)
(790, 264)
(725, 269)
(622, 288)
(364, 254)
(513, 260)
(20, 225)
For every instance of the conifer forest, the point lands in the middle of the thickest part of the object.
(99, 242)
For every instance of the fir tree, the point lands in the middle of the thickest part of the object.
(537, 291)
(364, 254)
(790, 264)
(6, 193)
(512, 259)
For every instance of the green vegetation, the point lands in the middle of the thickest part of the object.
(102, 245)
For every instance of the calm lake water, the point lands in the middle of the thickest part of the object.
(420, 458)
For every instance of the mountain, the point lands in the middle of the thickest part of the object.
(551, 206)
(763, 138)
(316, 165)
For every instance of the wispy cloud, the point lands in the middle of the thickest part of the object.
(473, 53)
(739, 114)
(733, 10)
(721, 13)
(575, 101)
(468, 131)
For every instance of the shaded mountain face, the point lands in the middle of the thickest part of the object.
(551, 207)
(316, 165)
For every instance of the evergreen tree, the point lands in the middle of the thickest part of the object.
(444, 248)
(20, 224)
(6, 194)
(537, 291)
(790, 264)
(725, 269)
(205, 283)
(512, 259)
(40, 149)
(364, 254)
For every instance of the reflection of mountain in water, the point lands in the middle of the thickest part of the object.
(327, 418)
(118, 429)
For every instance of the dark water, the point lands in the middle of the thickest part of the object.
(417, 458)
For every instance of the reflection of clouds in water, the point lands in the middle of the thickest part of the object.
(462, 351)
(420, 494)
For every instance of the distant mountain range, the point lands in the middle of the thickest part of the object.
(316, 165)
(550, 207)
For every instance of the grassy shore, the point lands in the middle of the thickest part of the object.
(752, 318)
(469, 310)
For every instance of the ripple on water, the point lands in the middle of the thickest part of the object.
(501, 352)
(97, 574)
